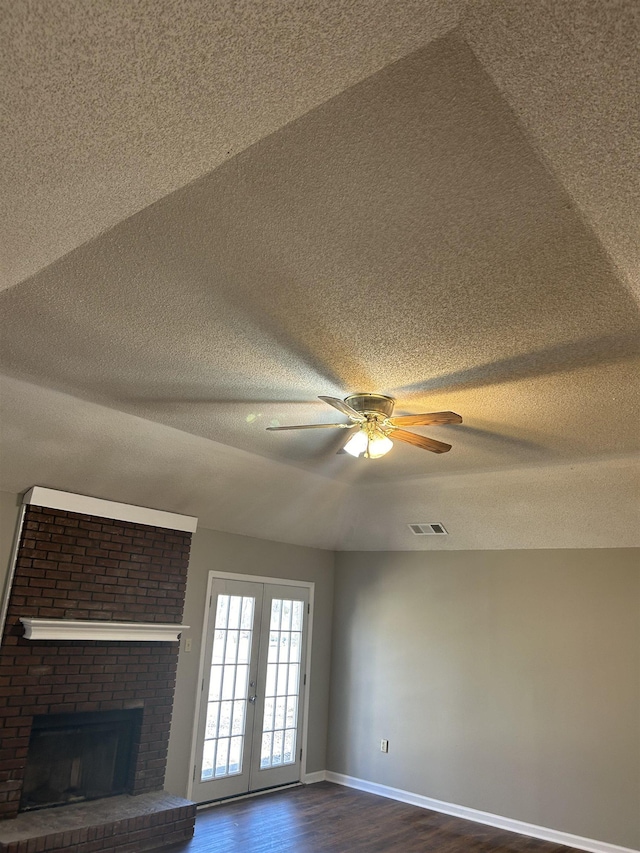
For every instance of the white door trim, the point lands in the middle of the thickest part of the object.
(236, 576)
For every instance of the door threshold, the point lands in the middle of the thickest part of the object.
(210, 804)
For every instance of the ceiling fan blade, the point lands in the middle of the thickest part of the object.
(343, 407)
(313, 426)
(419, 440)
(426, 419)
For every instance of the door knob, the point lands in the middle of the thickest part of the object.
(252, 699)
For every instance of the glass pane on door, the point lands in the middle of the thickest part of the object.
(282, 690)
(224, 737)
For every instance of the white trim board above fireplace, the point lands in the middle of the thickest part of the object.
(70, 629)
(70, 502)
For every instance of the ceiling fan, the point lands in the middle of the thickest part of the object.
(372, 416)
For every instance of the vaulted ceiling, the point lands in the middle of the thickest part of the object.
(212, 213)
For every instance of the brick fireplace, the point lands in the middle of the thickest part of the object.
(85, 568)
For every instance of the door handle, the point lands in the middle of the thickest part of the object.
(252, 699)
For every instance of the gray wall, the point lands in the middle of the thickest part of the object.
(507, 681)
(226, 552)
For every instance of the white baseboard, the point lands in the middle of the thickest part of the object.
(311, 778)
(466, 813)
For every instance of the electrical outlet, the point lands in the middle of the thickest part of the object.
(187, 644)
(384, 745)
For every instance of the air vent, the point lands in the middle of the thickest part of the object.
(432, 529)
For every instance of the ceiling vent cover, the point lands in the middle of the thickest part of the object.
(428, 529)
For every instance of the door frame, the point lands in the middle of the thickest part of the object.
(209, 613)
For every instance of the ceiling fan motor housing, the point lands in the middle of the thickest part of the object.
(371, 404)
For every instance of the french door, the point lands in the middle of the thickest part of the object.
(250, 715)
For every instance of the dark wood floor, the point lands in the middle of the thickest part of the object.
(328, 818)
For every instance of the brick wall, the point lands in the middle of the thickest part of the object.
(73, 566)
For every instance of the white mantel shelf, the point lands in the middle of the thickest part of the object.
(69, 629)
(54, 499)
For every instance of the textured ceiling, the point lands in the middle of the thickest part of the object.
(395, 197)
(570, 72)
(110, 105)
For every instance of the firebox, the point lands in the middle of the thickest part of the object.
(85, 756)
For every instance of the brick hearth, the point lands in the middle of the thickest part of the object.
(112, 825)
(76, 566)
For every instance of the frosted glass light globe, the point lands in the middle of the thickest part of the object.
(357, 444)
(379, 444)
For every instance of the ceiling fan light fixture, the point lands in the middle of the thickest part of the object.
(369, 442)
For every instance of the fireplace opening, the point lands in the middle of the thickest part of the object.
(75, 757)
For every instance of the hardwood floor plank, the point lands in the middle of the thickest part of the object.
(328, 818)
